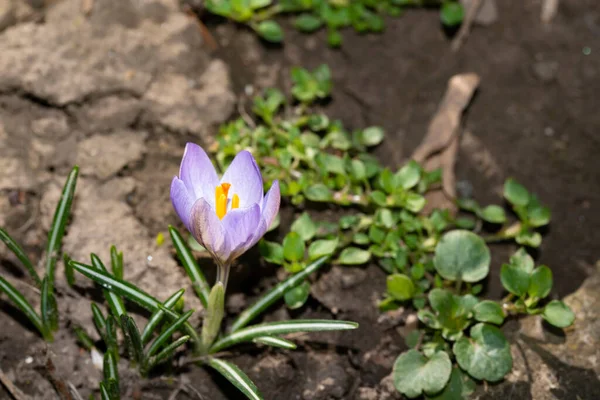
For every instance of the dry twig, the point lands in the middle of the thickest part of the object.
(12, 389)
(465, 28)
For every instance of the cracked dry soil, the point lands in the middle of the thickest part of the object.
(121, 88)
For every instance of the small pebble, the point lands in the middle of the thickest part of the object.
(28, 360)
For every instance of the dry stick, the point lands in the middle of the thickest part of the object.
(59, 384)
(465, 27)
(12, 389)
(442, 137)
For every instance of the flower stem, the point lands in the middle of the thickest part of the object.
(223, 274)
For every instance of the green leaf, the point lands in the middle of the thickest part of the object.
(236, 376)
(558, 314)
(59, 221)
(372, 136)
(297, 296)
(256, 4)
(99, 321)
(540, 283)
(522, 260)
(400, 287)
(379, 198)
(353, 256)
(215, 311)
(158, 316)
(69, 273)
(459, 387)
(515, 193)
(308, 23)
(305, 227)
(489, 311)
(451, 13)
(128, 291)
(270, 31)
(538, 216)
(275, 342)
(486, 355)
(115, 303)
(110, 369)
(167, 352)
(493, 214)
(414, 374)
(462, 255)
(20, 253)
(320, 248)
(193, 271)
(280, 328)
(104, 393)
(318, 192)
(293, 247)
(271, 251)
(414, 202)
(22, 304)
(116, 262)
(334, 38)
(48, 307)
(133, 339)
(275, 294)
(408, 176)
(167, 333)
(429, 319)
(531, 239)
(515, 280)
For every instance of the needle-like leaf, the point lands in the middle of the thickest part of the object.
(164, 336)
(235, 375)
(158, 315)
(167, 352)
(18, 251)
(24, 306)
(275, 341)
(115, 302)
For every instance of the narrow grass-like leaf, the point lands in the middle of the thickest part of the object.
(69, 273)
(116, 261)
(110, 369)
(99, 321)
(104, 394)
(199, 282)
(23, 305)
(133, 339)
(275, 341)
(275, 294)
(280, 328)
(83, 338)
(235, 375)
(18, 251)
(167, 333)
(167, 352)
(57, 230)
(158, 315)
(111, 336)
(48, 306)
(130, 292)
(115, 302)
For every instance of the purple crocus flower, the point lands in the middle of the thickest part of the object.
(229, 215)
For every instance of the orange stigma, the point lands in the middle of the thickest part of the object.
(221, 193)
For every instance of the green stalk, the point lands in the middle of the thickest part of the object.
(25, 307)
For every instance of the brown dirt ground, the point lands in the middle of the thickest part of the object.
(535, 118)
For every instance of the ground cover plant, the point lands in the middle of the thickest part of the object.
(333, 15)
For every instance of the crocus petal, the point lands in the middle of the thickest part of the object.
(260, 232)
(206, 228)
(270, 204)
(198, 173)
(182, 201)
(245, 179)
(239, 226)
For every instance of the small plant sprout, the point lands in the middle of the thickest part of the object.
(46, 321)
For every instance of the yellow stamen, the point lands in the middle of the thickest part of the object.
(235, 202)
(221, 193)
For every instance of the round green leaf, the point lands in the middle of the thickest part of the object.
(400, 287)
(293, 247)
(320, 248)
(408, 176)
(539, 216)
(489, 311)
(558, 314)
(514, 279)
(452, 13)
(493, 214)
(414, 374)
(528, 238)
(462, 255)
(334, 38)
(318, 192)
(459, 387)
(540, 283)
(515, 193)
(308, 23)
(414, 202)
(271, 251)
(486, 355)
(297, 296)
(372, 136)
(353, 256)
(522, 260)
(305, 227)
(270, 31)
